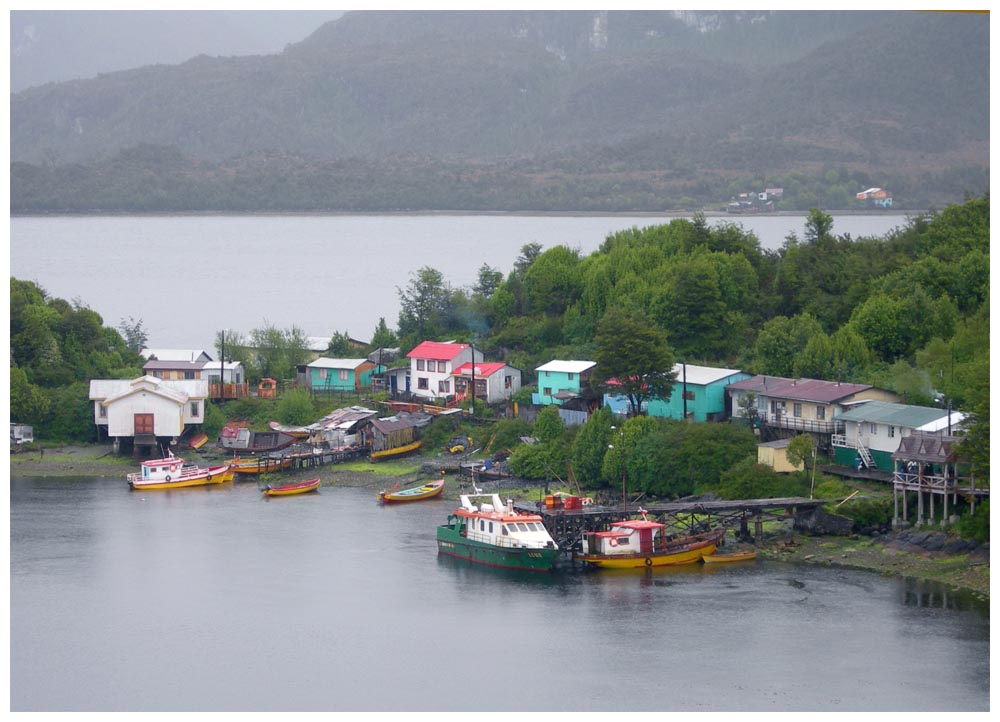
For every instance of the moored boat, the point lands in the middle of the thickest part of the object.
(640, 543)
(742, 556)
(495, 535)
(298, 432)
(172, 473)
(292, 488)
(395, 451)
(260, 465)
(416, 493)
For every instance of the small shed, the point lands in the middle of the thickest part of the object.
(775, 455)
(392, 434)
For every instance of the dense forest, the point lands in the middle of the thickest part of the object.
(522, 110)
(907, 312)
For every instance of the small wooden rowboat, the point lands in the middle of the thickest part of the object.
(730, 557)
(295, 487)
(417, 493)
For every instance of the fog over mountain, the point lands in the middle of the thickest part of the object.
(524, 110)
(58, 45)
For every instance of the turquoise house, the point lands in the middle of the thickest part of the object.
(699, 393)
(560, 381)
(339, 374)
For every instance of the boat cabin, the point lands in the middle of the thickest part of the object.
(497, 524)
(636, 536)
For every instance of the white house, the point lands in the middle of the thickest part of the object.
(495, 381)
(147, 410)
(432, 364)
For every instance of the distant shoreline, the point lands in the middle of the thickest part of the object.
(526, 214)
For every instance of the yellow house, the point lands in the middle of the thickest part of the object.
(775, 455)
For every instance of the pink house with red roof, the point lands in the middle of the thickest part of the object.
(432, 364)
(495, 382)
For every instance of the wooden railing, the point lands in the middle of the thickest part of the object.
(228, 391)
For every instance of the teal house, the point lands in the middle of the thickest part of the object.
(699, 394)
(339, 374)
(560, 381)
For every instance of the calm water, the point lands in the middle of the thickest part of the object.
(187, 277)
(219, 600)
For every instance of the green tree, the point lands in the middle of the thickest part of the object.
(552, 282)
(800, 449)
(591, 445)
(383, 337)
(134, 334)
(549, 426)
(780, 341)
(277, 352)
(296, 408)
(633, 358)
(425, 306)
(340, 345)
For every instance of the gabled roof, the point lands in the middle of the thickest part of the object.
(904, 415)
(481, 370)
(338, 363)
(702, 375)
(393, 423)
(826, 392)
(437, 350)
(175, 354)
(152, 385)
(217, 365)
(927, 448)
(568, 367)
(343, 418)
(175, 365)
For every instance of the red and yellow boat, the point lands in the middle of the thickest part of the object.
(293, 488)
(172, 473)
(260, 465)
(640, 543)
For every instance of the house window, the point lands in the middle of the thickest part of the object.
(195, 409)
(189, 374)
(343, 374)
(508, 381)
(547, 391)
(571, 376)
(442, 367)
(689, 395)
(797, 411)
(321, 374)
(420, 364)
(892, 432)
(547, 374)
(422, 383)
(444, 387)
(872, 429)
(821, 412)
(102, 410)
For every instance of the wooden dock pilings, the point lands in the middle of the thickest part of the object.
(566, 526)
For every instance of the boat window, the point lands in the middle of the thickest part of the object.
(505, 532)
(491, 527)
(623, 540)
(522, 526)
(482, 525)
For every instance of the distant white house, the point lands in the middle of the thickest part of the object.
(147, 411)
(494, 381)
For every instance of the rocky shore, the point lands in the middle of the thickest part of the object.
(927, 554)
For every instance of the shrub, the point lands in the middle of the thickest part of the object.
(867, 512)
(975, 526)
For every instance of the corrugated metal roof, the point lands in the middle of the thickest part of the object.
(338, 363)
(174, 365)
(885, 412)
(702, 375)
(175, 354)
(799, 389)
(437, 350)
(569, 367)
(392, 423)
(486, 369)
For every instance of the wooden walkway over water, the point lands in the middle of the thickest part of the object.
(681, 517)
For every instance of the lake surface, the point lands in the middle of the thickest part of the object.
(216, 599)
(188, 277)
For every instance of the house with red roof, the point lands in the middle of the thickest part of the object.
(795, 406)
(495, 382)
(432, 364)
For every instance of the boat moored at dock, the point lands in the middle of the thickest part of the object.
(172, 473)
(640, 543)
(495, 535)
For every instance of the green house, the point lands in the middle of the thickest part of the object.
(699, 394)
(339, 374)
(560, 381)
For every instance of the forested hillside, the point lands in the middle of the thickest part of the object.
(907, 312)
(545, 111)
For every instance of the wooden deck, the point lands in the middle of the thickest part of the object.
(682, 517)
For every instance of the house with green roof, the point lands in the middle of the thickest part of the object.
(870, 433)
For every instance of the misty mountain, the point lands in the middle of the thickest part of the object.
(59, 45)
(660, 99)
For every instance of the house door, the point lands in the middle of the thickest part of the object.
(143, 424)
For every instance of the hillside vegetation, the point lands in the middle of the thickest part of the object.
(544, 111)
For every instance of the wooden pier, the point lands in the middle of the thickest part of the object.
(566, 526)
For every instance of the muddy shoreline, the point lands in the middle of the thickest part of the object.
(888, 555)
